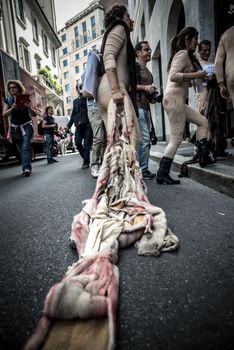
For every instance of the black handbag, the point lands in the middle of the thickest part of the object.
(16, 134)
(153, 137)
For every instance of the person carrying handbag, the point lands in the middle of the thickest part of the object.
(20, 124)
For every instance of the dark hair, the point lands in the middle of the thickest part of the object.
(78, 85)
(179, 42)
(203, 42)
(47, 108)
(114, 12)
(138, 46)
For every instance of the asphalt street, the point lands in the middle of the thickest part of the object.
(181, 300)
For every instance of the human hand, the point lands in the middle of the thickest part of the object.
(118, 97)
(150, 89)
(224, 92)
(14, 106)
(202, 74)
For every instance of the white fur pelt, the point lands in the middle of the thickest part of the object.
(118, 214)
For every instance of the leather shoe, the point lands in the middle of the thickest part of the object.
(85, 166)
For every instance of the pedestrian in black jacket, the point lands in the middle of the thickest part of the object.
(83, 133)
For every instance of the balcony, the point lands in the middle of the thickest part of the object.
(53, 93)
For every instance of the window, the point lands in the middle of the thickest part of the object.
(53, 56)
(84, 65)
(66, 75)
(65, 51)
(65, 63)
(93, 27)
(77, 43)
(67, 87)
(76, 31)
(45, 43)
(85, 52)
(77, 57)
(63, 37)
(25, 58)
(151, 6)
(94, 47)
(38, 62)
(20, 10)
(35, 30)
(77, 69)
(68, 100)
(84, 28)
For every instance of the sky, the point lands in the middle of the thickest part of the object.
(66, 9)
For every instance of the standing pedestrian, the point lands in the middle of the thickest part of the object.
(224, 64)
(83, 133)
(49, 127)
(20, 123)
(62, 140)
(99, 136)
(183, 70)
(119, 79)
(145, 90)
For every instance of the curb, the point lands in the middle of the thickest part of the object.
(218, 176)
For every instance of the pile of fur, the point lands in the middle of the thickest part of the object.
(117, 215)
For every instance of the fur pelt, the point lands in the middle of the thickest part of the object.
(118, 214)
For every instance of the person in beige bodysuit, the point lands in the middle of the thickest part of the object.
(204, 49)
(224, 64)
(118, 58)
(182, 70)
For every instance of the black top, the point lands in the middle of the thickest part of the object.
(79, 114)
(19, 116)
(49, 121)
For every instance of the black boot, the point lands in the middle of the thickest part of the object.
(203, 153)
(163, 176)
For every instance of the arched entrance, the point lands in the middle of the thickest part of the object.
(176, 20)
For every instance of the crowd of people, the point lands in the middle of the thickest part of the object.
(125, 75)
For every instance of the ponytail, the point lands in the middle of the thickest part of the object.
(179, 42)
(173, 51)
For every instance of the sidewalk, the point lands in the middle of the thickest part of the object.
(219, 176)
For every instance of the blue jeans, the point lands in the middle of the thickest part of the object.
(24, 148)
(49, 140)
(143, 150)
(84, 141)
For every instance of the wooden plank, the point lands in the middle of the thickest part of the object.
(78, 335)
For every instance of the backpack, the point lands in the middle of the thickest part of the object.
(40, 128)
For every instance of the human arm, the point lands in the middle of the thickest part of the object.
(219, 69)
(71, 121)
(7, 109)
(45, 124)
(114, 43)
(147, 88)
(179, 69)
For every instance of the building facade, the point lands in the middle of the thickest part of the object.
(30, 39)
(81, 33)
(158, 21)
(29, 52)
